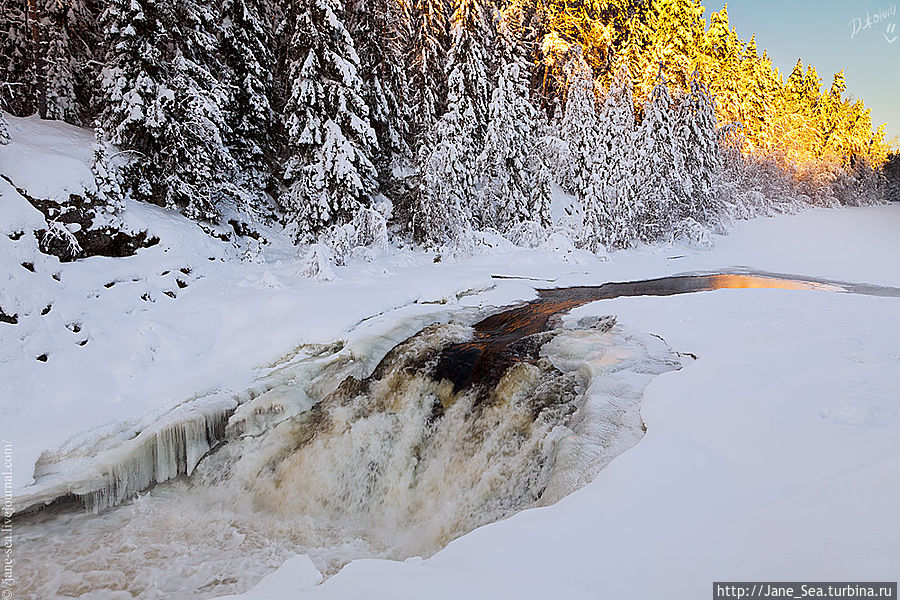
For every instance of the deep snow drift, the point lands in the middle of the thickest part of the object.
(772, 456)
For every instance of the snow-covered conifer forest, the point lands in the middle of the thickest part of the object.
(444, 299)
(432, 121)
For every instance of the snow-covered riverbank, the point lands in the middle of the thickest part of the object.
(773, 456)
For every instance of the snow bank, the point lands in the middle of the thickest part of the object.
(772, 456)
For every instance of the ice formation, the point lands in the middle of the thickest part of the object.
(121, 462)
(341, 459)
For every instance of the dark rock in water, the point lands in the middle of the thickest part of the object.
(11, 319)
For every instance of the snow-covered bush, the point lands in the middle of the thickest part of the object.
(317, 263)
(527, 234)
(107, 179)
(4, 130)
(59, 240)
(364, 238)
(859, 185)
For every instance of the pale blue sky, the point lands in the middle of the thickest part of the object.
(819, 32)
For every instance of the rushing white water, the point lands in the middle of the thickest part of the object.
(393, 465)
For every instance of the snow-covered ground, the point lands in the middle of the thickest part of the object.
(773, 456)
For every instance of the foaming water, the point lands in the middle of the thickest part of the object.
(393, 465)
(456, 427)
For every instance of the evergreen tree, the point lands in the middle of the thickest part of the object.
(509, 166)
(666, 186)
(677, 27)
(198, 171)
(697, 133)
(427, 63)
(468, 62)
(46, 53)
(246, 51)
(4, 130)
(581, 130)
(794, 88)
(330, 140)
(18, 53)
(380, 29)
(724, 50)
(449, 191)
(616, 151)
(162, 104)
(108, 195)
(135, 97)
(63, 58)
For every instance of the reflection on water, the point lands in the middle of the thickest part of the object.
(496, 341)
(456, 427)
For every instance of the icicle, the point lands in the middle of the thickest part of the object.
(159, 454)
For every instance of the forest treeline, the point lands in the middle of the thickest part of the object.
(352, 121)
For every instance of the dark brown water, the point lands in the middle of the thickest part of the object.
(504, 338)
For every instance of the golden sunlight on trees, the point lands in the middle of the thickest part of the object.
(797, 121)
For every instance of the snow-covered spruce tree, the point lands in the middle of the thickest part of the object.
(468, 62)
(665, 185)
(198, 169)
(330, 142)
(162, 104)
(580, 129)
(107, 179)
(134, 97)
(449, 184)
(428, 45)
(18, 52)
(68, 36)
(246, 45)
(697, 133)
(46, 57)
(616, 150)
(512, 191)
(380, 30)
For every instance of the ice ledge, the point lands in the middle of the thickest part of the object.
(109, 470)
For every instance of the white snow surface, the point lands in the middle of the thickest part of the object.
(774, 456)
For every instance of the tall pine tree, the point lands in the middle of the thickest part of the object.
(665, 183)
(429, 40)
(512, 189)
(330, 141)
(380, 29)
(247, 39)
(449, 184)
(616, 151)
(162, 104)
(581, 130)
(697, 133)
